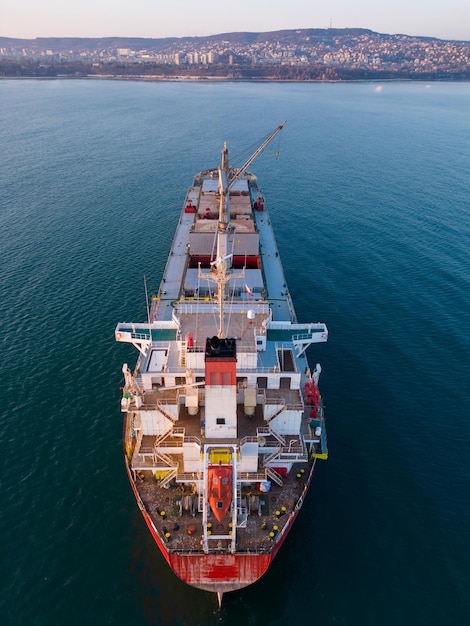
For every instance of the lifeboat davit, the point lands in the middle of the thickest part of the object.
(219, 482)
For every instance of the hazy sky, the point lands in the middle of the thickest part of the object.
(447, 19)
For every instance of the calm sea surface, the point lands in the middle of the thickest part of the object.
(370, 201)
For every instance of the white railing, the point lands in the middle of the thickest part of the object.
(206, 305)
(248, 440)
(192, 439)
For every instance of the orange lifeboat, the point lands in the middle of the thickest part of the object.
(219, 481)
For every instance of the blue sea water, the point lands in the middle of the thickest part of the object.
(370, 201)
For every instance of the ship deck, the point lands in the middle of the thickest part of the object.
(173, 509)
(273, 272)
(177, 266)
(246, 426)
(170, 511)
(170, 289)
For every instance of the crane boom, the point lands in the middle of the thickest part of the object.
(221, 267)
(257, 152)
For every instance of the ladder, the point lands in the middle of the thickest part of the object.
(183, 354)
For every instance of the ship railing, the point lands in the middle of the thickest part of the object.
(261, 370)
(140, 457)
(302, 337)
(304, 447)
(267, 320)
(286, 405)
(142, 336)
(192, 439)
(156, 395)
(148, 406)
(251, 477)
(285, 529)
(171, 444)
(243, 345)
(285, 344)
(190, 477)
(196, 348)
(248, 440)
(287, 453)
(291, 307)
(153, 307)
(159, 406)
(161, 345)
(240, 550)
(284, 451)
(178, 431)
(296, 453)
(178, 370)
(204, 305)
(143, 461)
(175, 318)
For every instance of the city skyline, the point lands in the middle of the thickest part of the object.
(29, 19)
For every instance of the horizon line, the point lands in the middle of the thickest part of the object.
(219, 34)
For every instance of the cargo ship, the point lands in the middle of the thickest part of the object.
(223, 417)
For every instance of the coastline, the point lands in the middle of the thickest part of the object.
(224, 79)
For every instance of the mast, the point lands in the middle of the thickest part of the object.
(221, 267)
